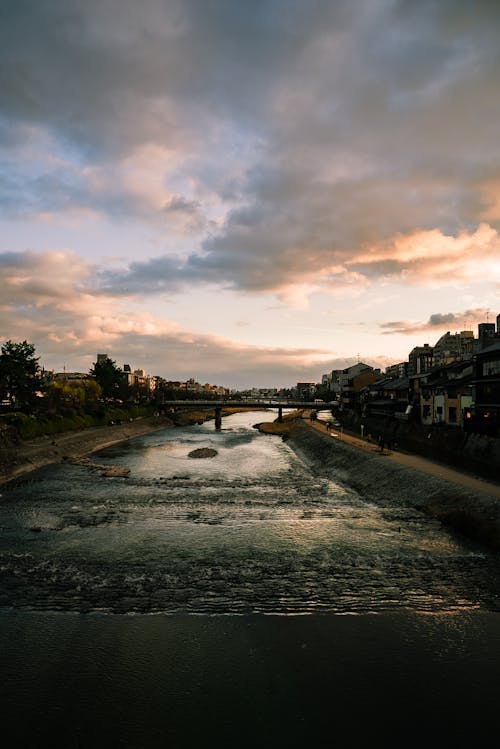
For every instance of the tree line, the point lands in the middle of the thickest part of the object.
(23, 381)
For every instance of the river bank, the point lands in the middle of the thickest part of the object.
(383, 481)
(181, 602)
(474, 512)
(18, 457)
(476, 453)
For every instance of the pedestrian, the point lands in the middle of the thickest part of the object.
(381, 443)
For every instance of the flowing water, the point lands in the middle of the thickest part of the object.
(86, 559)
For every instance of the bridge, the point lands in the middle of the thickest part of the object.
(261, 404)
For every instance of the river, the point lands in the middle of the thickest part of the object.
(236, 599)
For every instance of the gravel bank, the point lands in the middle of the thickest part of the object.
(28, 455)
(21, 456)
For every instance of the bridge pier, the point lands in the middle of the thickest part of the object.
(218, 418)
(280, 415)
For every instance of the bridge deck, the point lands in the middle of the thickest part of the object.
(248, 404)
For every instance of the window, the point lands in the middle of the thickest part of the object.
(491, 368)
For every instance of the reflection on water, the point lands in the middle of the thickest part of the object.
(248, 531)
(401, 638)
(141, 682)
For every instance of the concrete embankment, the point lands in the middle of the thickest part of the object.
(477, 453)
(384, 482)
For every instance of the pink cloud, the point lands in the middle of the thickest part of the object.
(432, 258)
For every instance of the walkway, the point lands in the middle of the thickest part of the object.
(465, 480)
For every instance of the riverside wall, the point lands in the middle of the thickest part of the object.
(475, 453)
(387, 483)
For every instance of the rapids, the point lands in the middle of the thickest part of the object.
(251, 530)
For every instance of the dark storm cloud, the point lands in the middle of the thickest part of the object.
(320, 128)
(99, 73)
(452, 321)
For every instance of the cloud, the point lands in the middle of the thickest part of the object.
(433, 258)
(52, 300)
(31, 279)
(276, 146)
(49, 299)
(452, 321)
(187, 214)
(427, 258)
(311, 135)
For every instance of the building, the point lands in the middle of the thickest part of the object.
(397, 370)
(348, 383)
(386, 397)
(484, 413)
(420, 359)
(73, 378)
(446, 393)
(128, 375)
(305, 390)
(487, 335)
(453, 347)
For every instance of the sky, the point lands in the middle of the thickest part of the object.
(247, 192)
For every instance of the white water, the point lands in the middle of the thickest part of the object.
(248, 531)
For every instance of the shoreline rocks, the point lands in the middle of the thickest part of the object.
(107, 471)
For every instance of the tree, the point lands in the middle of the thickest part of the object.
(19, 373)
(165, 391)
(81, 394)
(93, 392)
(60, 394)
(108, 376)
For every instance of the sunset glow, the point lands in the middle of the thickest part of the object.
(247, 193)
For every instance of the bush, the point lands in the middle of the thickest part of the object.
(30, 426)
(25, 425)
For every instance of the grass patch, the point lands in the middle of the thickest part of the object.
(29, 426)
(281, 428)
